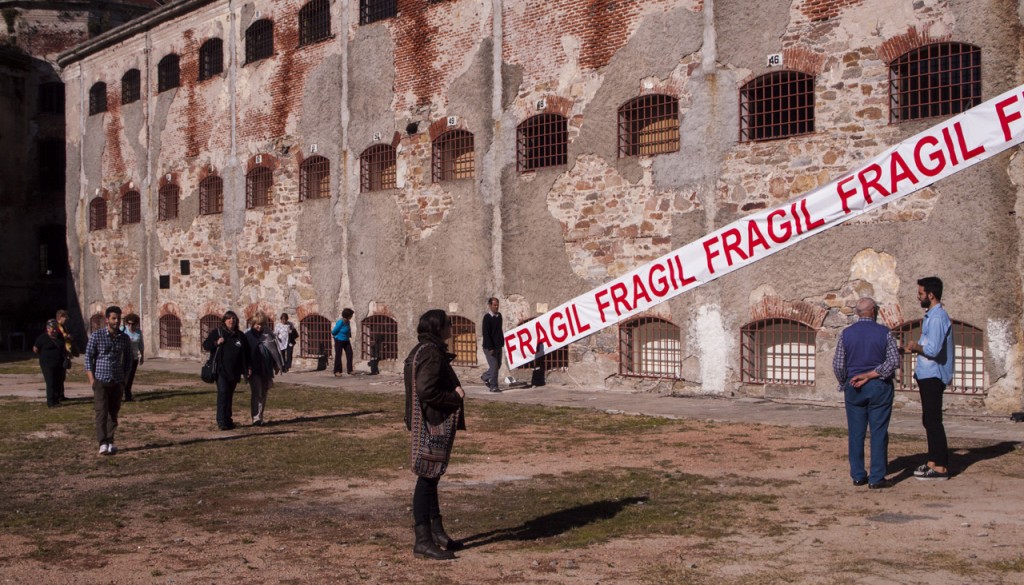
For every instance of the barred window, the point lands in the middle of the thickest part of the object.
(542, 141)
(167, 202)
(257, 187)
(96, 322)
(377, 168)
(777, 351)
(131, 207)
(315, 178)
(168, 74)
(170, 332)
(374, 10)
(97, 98)
(776, 105)
(940, 79)
(211, 59)
(314, 22)
(207, 324)
(453, 156)
(131, 86)
(379, 337)
(259, 40)
(650, 347)
(463, 341)
(649, 125)
(211, 195)
(314, 336)
(97, 214)
(51, 98)
(968, 358)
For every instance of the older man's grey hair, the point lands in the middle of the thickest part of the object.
(866, 307)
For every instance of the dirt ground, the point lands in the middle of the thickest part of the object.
(712, 503)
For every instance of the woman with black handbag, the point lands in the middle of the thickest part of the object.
(434, 402)
(232, 362)
(53, 361)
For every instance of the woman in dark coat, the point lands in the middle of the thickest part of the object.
(51, 350)
(232, 363)
(433, 399)
(265, 361)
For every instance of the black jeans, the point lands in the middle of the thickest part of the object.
(130, 379)
(424, 500)
(53, 376)
(225, 394)
(931, 390)
(345, 346)
(287, 356)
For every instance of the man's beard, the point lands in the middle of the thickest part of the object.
(926, 304)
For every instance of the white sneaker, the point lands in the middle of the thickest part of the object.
(111, 449)
(103, 449)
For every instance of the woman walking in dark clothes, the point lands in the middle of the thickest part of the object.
(232, 363)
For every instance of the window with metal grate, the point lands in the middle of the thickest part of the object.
(97, 214)
(777, 105)
(374, 10)
(542, 141)
(207, 324)
(453, 156)
(379, 338)
(650, 347)
(97, 98)
(463, 341)
(168, 73)
(314, 336)
(131, 207)
(968, 358)
(940, 79)
(257, 187)
(649, 125)
(315, 178)
(211, 59)
(167, 202)
(131, 86)
(96, 322)
(314, 22)
(211, 195)
(259, 40)
(170, 332)
(377, 168)
(777, 351)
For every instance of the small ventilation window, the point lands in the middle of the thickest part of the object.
(377, 168)
(542, 141)
(452, 156)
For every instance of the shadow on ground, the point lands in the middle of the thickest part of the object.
(959, 459)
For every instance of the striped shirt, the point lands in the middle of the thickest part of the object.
(108, 357)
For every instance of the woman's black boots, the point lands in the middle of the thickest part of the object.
(441, 537)
(425, 548)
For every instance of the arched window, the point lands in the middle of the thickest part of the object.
(452, 156)
(377, 168)
(777, 351)
(131, 207)
(96, 322)
(552, 360)
(650, 347)
(97, 98)
(257, 187)
(649, 125)
(211, 59)
(131, 86)
(97, 214)
(168, 75)
(314, 22)
(207, 324)
(170, 332)
(940, 79)
(167, 202)
(379, 336)
(542, 141)
(259, 40)
(463, 341)
(211, 195)
(968, 358)
(374, 10)
(314, 336)
(315, 178)
(777, 105)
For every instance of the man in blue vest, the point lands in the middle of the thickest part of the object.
(866, 358)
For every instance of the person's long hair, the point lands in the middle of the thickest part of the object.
(229, 315)
(432, 323)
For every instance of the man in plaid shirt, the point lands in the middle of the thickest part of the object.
(866, 358)
(108, 357)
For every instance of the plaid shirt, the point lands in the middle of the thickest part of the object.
(108, 357)
(885, 370)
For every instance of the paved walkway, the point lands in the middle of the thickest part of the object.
(749, 410)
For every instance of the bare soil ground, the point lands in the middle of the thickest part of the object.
(322, 495)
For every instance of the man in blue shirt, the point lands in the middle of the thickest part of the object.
(866, 358)
(108, 358)
(933, 372)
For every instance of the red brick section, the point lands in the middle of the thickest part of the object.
(819, 10)
(777, 308)
(115, 167)
(170, 309)
(893, 48)
(891, 315)
(305, 310)
(164, 181)
(126, 187)
(197, 128)
(268, 160)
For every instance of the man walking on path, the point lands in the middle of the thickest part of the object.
(866, 358)
(108, 357)
(933, 372)
(494, 342)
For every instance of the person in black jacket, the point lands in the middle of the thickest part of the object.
(51, 350)
(232, 363)
(494, 342)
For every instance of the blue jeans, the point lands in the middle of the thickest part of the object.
(869, 406)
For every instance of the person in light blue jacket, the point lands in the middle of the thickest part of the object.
(342, 333)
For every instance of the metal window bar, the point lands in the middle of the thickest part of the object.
(378, 335)
(211, 59)
(131, 86)
(556, 360)
(259, 40)
(940, 79)
(377, 168)
(649, 125)
(51, 98)
(463, 341)
(97, 98)
(453, 156)
(315, 178)
(167, 202)
(170, 332)
(131, 208)
(542, 141)
(315, 337)
(314, 22)
(374, 10)
(207, 324)
(168, 74)
(96, 322)
(968, 358)
(257, 187)
(650, 347)
(777, 105)
(777, 351)
(97, 214)
(211, 195)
